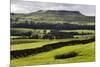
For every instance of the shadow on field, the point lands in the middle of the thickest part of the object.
(45, 48)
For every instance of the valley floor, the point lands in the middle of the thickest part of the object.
(85, 53)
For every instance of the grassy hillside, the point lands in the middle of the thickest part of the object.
(52, 37)
(27, 45)
(53, 19)
(86, 53)
(52, 16)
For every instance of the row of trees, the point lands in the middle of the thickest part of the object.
(52, 26)
(53, 34)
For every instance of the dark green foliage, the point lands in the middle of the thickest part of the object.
(53, 26)
(66, 55)
(52, 34)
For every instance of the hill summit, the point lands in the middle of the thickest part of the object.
(58, 12)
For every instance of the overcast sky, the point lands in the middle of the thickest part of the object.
(20, 6)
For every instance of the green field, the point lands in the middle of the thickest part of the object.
(52, 37)
(41, 32)
(86, 53)
(20, 44)
(40, 43)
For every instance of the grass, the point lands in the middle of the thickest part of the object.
(79, 31)
(20, 44)
(16, 37)
(21, 41)
(28, 29)
(86, 53)
(28, 44)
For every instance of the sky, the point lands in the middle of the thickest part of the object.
(21, 6)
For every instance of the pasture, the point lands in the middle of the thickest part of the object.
(85, 53)
(29, 50)
(37, 43)
(51, 37)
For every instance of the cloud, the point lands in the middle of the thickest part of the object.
(20, 6)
